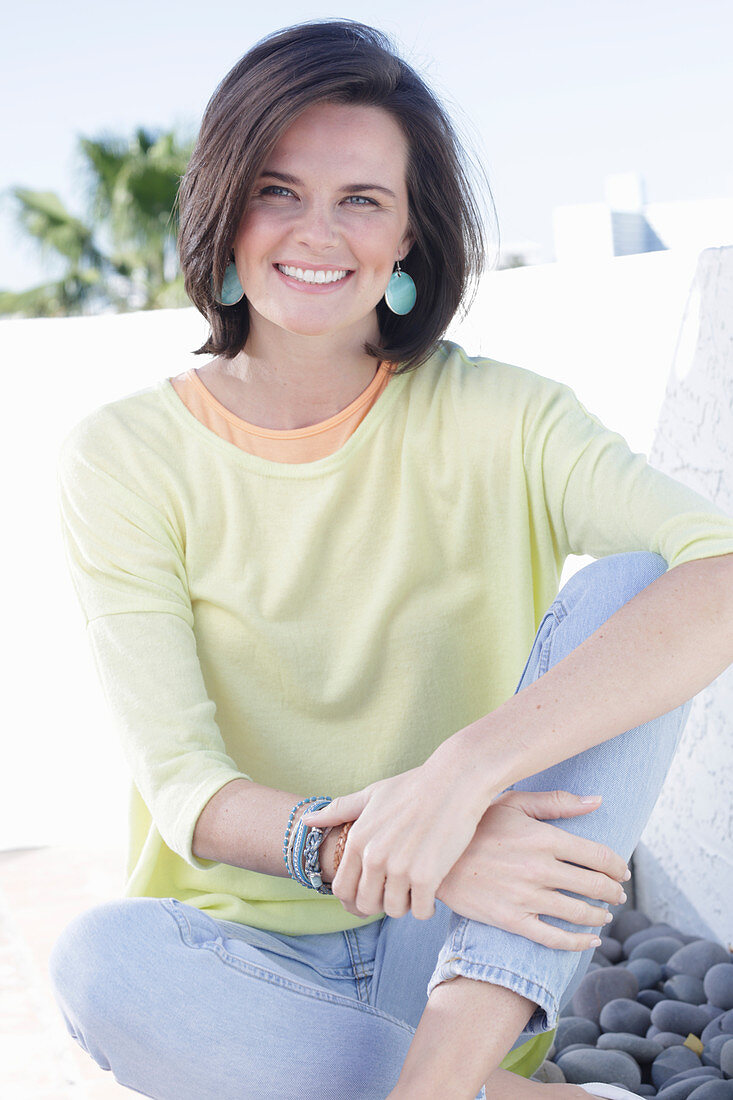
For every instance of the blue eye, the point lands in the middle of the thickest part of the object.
(273, 189)
(360, 200)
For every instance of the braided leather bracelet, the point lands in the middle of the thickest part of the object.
(340, 845)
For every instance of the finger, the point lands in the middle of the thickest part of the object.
(548, 805)
(591, 884)
(547, 934)
(573, 910)
(343, 809)
(397, 900)
(588, 853)
(370, 894)
(422, 899)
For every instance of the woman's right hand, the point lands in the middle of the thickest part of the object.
(516, 865)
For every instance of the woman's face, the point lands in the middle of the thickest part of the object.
(326, 222)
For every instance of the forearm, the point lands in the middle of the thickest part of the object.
(244, 824)
(656, 652)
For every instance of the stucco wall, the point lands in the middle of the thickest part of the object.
(684, 865)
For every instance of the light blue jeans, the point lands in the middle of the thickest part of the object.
(182, 1006)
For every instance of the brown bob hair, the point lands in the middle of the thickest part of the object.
(339, 61)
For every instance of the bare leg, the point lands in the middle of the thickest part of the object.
(508, 1086)
(465, 1031)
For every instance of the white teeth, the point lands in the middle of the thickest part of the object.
(308, 275)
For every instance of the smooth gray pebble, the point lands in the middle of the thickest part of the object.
(623, 1014)
(697, 958)
(660, 949)
(714, 1090)
(647, 972)
(726, 1058)
(611, 1066)
(681, 1090)
(683, 987)
(652, 932)
(666, 1038)
(680, 1017)
(611, 949)
(627, 923)
(711, 1053)
(671, 1062)
(641, 1049)
(575, 1029)
(681, 1087)
(718, 983)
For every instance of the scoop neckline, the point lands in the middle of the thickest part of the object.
(297, 470)
(289, 433)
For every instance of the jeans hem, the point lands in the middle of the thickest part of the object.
(545, 1016)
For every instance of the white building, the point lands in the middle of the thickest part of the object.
(625, 224)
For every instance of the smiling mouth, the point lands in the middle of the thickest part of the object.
(310, 275)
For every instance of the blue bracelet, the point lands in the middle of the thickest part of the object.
(307, 838)
(309, 877)
(313, 798)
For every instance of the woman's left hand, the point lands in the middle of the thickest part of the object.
(408, 832)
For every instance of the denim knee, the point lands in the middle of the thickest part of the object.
(88, 965)
(77, 962)
(616, 579)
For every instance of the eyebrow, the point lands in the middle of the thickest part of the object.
(284, 177)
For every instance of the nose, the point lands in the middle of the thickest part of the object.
(316, 228)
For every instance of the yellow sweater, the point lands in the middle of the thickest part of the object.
(315, 626)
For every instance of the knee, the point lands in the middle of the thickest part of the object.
(77, 961)
(88, 961)
(616, 579)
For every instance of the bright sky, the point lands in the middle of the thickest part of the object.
(556, 96)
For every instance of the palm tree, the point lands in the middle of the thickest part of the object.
(133, 193)
(124, 256)
(45, 218)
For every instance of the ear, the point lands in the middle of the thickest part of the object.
(405, 245)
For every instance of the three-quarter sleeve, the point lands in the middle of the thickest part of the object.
(602, 498)
(127, 567)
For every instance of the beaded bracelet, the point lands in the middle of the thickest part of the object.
(292, 862)
(297, 851)
(304, 855)
(306, 837)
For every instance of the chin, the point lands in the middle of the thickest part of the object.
(309, 326)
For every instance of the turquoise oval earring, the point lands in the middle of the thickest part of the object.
(401, 293)
(231, 288)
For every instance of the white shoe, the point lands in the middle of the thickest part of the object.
(608, 1092)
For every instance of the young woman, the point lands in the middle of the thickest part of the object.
(326, 563)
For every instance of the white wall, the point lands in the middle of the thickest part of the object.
(609, 330)
(684, 865)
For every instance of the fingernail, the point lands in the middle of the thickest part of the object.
(591, 798)
(623, 898)
(609, 918)
(596, 942)
(627, 876)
